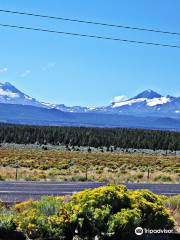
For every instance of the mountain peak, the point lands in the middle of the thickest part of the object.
(10, 94)
(2, 83)
(150, 94)
(8, 87)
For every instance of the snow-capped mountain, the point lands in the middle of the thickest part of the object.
(148, 94)
(150, 97)
(147, 103)
(11, 95)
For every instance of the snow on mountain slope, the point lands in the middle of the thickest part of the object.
(149, 101)
(7, 94)
(149, 96)
(157, 101)
(146, 103)
(10, 94)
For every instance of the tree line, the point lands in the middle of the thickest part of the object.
(93, 137)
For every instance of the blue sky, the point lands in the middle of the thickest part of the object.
(82, 71)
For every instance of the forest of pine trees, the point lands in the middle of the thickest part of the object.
(93, 137)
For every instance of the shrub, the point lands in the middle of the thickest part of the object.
(134, 178)
(124, 222)
(31, 178)
(131, 178)
(99, 171)
(47, 218)
(154, 214)
(113, 211)
(109, 212)
(163, 178)
(6, 218)
(140, 176)
(2, 178)
(79, 178)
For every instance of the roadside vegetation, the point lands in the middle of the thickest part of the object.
(173, 203)
(39, 164)
(105, 213)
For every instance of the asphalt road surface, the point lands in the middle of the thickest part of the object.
(21, 191)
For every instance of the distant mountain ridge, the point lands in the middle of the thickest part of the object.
(146, 103)
(26, 114)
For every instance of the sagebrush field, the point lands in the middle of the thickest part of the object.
(38, 164)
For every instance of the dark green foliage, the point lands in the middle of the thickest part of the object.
(92, 137)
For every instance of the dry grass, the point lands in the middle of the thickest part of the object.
(173, 203)
(36, 164)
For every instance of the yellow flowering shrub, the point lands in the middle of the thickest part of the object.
(108, 213)
(42, 219)
(113, 211)
(154, 214)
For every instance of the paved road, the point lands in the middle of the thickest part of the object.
(20, 191)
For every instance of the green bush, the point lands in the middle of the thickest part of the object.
(79, 178)
(114, 211)
(123, 223)
(6, 218)
(109, 212)
(2, 178)
(163, 178)
(47, 218)
(140, 176)
(31, 178)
